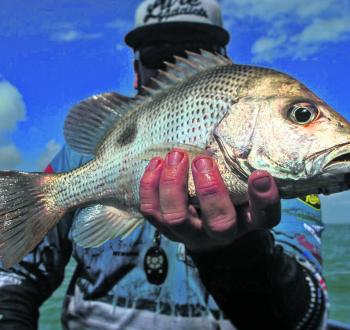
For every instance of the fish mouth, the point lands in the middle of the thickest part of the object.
(335, 172)
(335, 159)
(328, 173)
(338, 160)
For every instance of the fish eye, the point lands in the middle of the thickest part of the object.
(302, 113)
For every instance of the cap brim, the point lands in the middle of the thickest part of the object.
(176, 32)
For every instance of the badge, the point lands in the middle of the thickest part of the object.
(311, 200)
(155, 263)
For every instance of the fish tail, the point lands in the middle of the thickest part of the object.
(27, 212)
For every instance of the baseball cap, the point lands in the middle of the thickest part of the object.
(161, 21)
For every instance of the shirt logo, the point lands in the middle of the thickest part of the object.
(312, 201)
(163, 9)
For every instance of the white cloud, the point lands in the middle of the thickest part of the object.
(120, 47)
(10, 157)
(325, 30)
(266, 48)
(268, 10)
(120, 24)
(12, 111)
(12, 108)
(295, 29)
(65, 32)
(51, 149)
(71, 35)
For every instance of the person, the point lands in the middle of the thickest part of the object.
(213, 267)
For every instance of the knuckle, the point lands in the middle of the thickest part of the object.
(173, 173)
(222, 223)
(208, 189)
(148, 209)
(147, 183)
(171, 196)
(167, 181)
(171, 170)
(146, 195)
(170, 177)
(174, 217)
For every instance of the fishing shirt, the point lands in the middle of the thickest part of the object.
(143, 281)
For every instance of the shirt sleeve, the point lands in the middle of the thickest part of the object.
(25, 286)
(272, 279)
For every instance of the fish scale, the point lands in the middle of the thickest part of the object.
(245, 117)
(200, 114)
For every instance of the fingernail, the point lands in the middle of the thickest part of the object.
(262, 184)
(203, 164)
(153, 164)
(174, 157)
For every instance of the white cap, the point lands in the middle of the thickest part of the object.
(160, 20)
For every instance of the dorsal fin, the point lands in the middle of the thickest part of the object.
(91, 120)
(182, 69)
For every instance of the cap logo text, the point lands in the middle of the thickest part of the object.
(163, 9)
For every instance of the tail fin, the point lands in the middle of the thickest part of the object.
(27, 213)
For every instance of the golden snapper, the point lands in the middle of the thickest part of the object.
(246, 117)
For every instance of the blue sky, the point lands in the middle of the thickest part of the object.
(56, 53)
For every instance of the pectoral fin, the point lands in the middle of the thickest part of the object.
(97, 224)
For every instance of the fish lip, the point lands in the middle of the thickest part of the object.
(326, 174)
(325, 160)
(338, 160)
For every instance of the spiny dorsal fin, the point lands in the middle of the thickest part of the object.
(90, 120)
(182, 69)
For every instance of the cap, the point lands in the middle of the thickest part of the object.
(176, 20)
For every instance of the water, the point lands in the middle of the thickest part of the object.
(336, 253)
(50, 312)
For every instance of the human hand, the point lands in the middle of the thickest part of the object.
(164, 202)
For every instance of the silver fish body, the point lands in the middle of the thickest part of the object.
(245, 117)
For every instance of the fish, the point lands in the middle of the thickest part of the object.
(245, 117)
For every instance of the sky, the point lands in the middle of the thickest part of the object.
(55, 53)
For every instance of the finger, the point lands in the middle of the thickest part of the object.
(173, 188)
(149, 189)
(149, 196)
(264, 200)
(214, 200)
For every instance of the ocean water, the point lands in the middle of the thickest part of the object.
(336, 254)
(336, 259)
